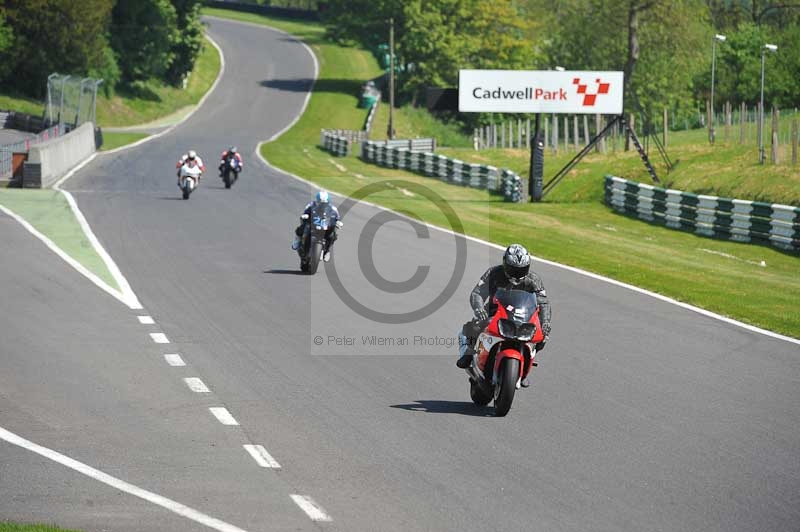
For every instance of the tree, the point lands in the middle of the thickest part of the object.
(6, 41)
(188, 41)
(143, 35)
(54, 36)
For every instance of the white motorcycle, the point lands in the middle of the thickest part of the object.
(190, 177)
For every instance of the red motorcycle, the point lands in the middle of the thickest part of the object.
(505, 350)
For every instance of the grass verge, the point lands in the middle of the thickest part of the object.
(22, 527)
(149, 103)
(572, 228)
(51, 215)
(116, 139)
(153, 101)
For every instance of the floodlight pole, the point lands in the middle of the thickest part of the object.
(716, 38)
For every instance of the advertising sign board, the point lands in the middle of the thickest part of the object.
(540, 91)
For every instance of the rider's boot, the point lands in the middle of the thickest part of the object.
(296, 243)
(466, 352)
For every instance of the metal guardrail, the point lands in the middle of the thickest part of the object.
(413, 145)
(500, 181)
(729, 219)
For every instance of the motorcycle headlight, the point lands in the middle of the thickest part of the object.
(525, 331)
(507, 328)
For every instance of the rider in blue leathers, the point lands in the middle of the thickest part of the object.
(322, 197)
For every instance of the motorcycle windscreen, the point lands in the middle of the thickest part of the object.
(320, 216)
(518, 304)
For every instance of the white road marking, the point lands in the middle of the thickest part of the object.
(222, 414)
(312, 509)
(174, 359)
(159, 338)
(196, 385)
(145, 320)
(127, 292)
(169, 504)
(261, 456)
(69, 260)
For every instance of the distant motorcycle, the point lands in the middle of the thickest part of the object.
(190, 177)
(230, 171)
(505, 350)
(312, 242)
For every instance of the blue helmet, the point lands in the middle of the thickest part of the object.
(322, 197)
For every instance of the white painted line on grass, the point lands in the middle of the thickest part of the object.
(159, 338)
(196, 385)
(222, 414)
(127, 292)
(312, 509)
(261, 456)
(68, 259)
(145, 320)
(174, 359)
(169, 504)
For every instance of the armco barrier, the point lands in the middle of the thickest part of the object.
(496, 180)
(729, 219)
(335, 143)
(58, 156)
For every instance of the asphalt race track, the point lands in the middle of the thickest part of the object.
(643, 415)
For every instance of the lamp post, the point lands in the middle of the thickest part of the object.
(761, 157)
(390, 128)
(720, 38)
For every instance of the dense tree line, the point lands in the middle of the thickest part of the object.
(125, 42)
(663, 46)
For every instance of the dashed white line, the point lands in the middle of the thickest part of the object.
(159, 338)
(145, 320)
(261, 456)
(169, 504)
(312, 509)
(222, 414)
(174, 359)
(196, 385)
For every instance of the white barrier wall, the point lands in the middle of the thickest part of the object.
(58, 156)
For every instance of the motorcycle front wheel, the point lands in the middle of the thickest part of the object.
(315, 254)
(509, 371)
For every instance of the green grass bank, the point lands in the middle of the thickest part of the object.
(572, 227)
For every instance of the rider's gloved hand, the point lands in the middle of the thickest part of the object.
(339, 224)
(481, 315)
(304, 217)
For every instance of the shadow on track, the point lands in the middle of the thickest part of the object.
(284, 272)
(464, 408)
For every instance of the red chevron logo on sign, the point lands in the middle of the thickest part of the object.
(589, 98)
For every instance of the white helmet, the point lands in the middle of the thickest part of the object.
(192, 155)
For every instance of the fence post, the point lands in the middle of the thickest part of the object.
(794, 141)
(774, 150)
(742, 118)
(728, 119)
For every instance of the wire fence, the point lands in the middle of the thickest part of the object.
(71, 100)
